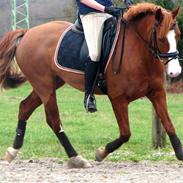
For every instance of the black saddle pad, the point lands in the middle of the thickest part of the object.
(73, 51)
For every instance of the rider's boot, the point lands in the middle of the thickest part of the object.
(91, 71)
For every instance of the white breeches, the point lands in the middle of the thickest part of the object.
(93, 25)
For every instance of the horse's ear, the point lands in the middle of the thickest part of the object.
(159, 15)
(175, 12)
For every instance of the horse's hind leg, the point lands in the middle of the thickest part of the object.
(26, 108)
(53, 120)
(158, 99)
(120, 107)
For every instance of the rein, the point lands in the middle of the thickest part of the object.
(122, 23)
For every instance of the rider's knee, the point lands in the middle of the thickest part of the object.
(95, 56)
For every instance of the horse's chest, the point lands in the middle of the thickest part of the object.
(137, 89)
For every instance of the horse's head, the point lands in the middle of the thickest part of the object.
(167, 35)
(159, 31)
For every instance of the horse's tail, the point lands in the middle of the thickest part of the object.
(10, 74)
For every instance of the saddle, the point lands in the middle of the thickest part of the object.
(73, 51)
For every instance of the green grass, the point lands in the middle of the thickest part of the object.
(87, 132)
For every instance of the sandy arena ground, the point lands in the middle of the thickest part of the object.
(53, 171)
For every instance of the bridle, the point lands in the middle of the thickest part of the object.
(163, 57)
(154, 49)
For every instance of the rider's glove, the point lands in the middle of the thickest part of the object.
(116, 12)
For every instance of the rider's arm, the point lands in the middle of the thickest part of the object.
(93, 4)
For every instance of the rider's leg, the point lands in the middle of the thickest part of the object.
(91, 70)
(93, 29)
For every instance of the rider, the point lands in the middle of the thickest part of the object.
(93, 14)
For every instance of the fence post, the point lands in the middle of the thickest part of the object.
(158, 132)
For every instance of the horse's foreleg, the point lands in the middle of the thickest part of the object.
(120, 107)
(53, 120)
(158, 100)
(26, 108)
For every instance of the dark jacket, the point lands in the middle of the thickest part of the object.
(83, 9)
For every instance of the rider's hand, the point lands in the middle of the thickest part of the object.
(116, 12)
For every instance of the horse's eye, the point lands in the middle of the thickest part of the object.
(173, 26)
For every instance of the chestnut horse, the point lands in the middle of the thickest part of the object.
(151, 41)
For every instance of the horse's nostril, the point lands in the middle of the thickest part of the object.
(172, 74)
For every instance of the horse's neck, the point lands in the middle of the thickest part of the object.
(144, 27)
(139, 34)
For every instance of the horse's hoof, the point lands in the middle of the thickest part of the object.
(10, 154)
(100, 154)
(78, 162)
(179, 156)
